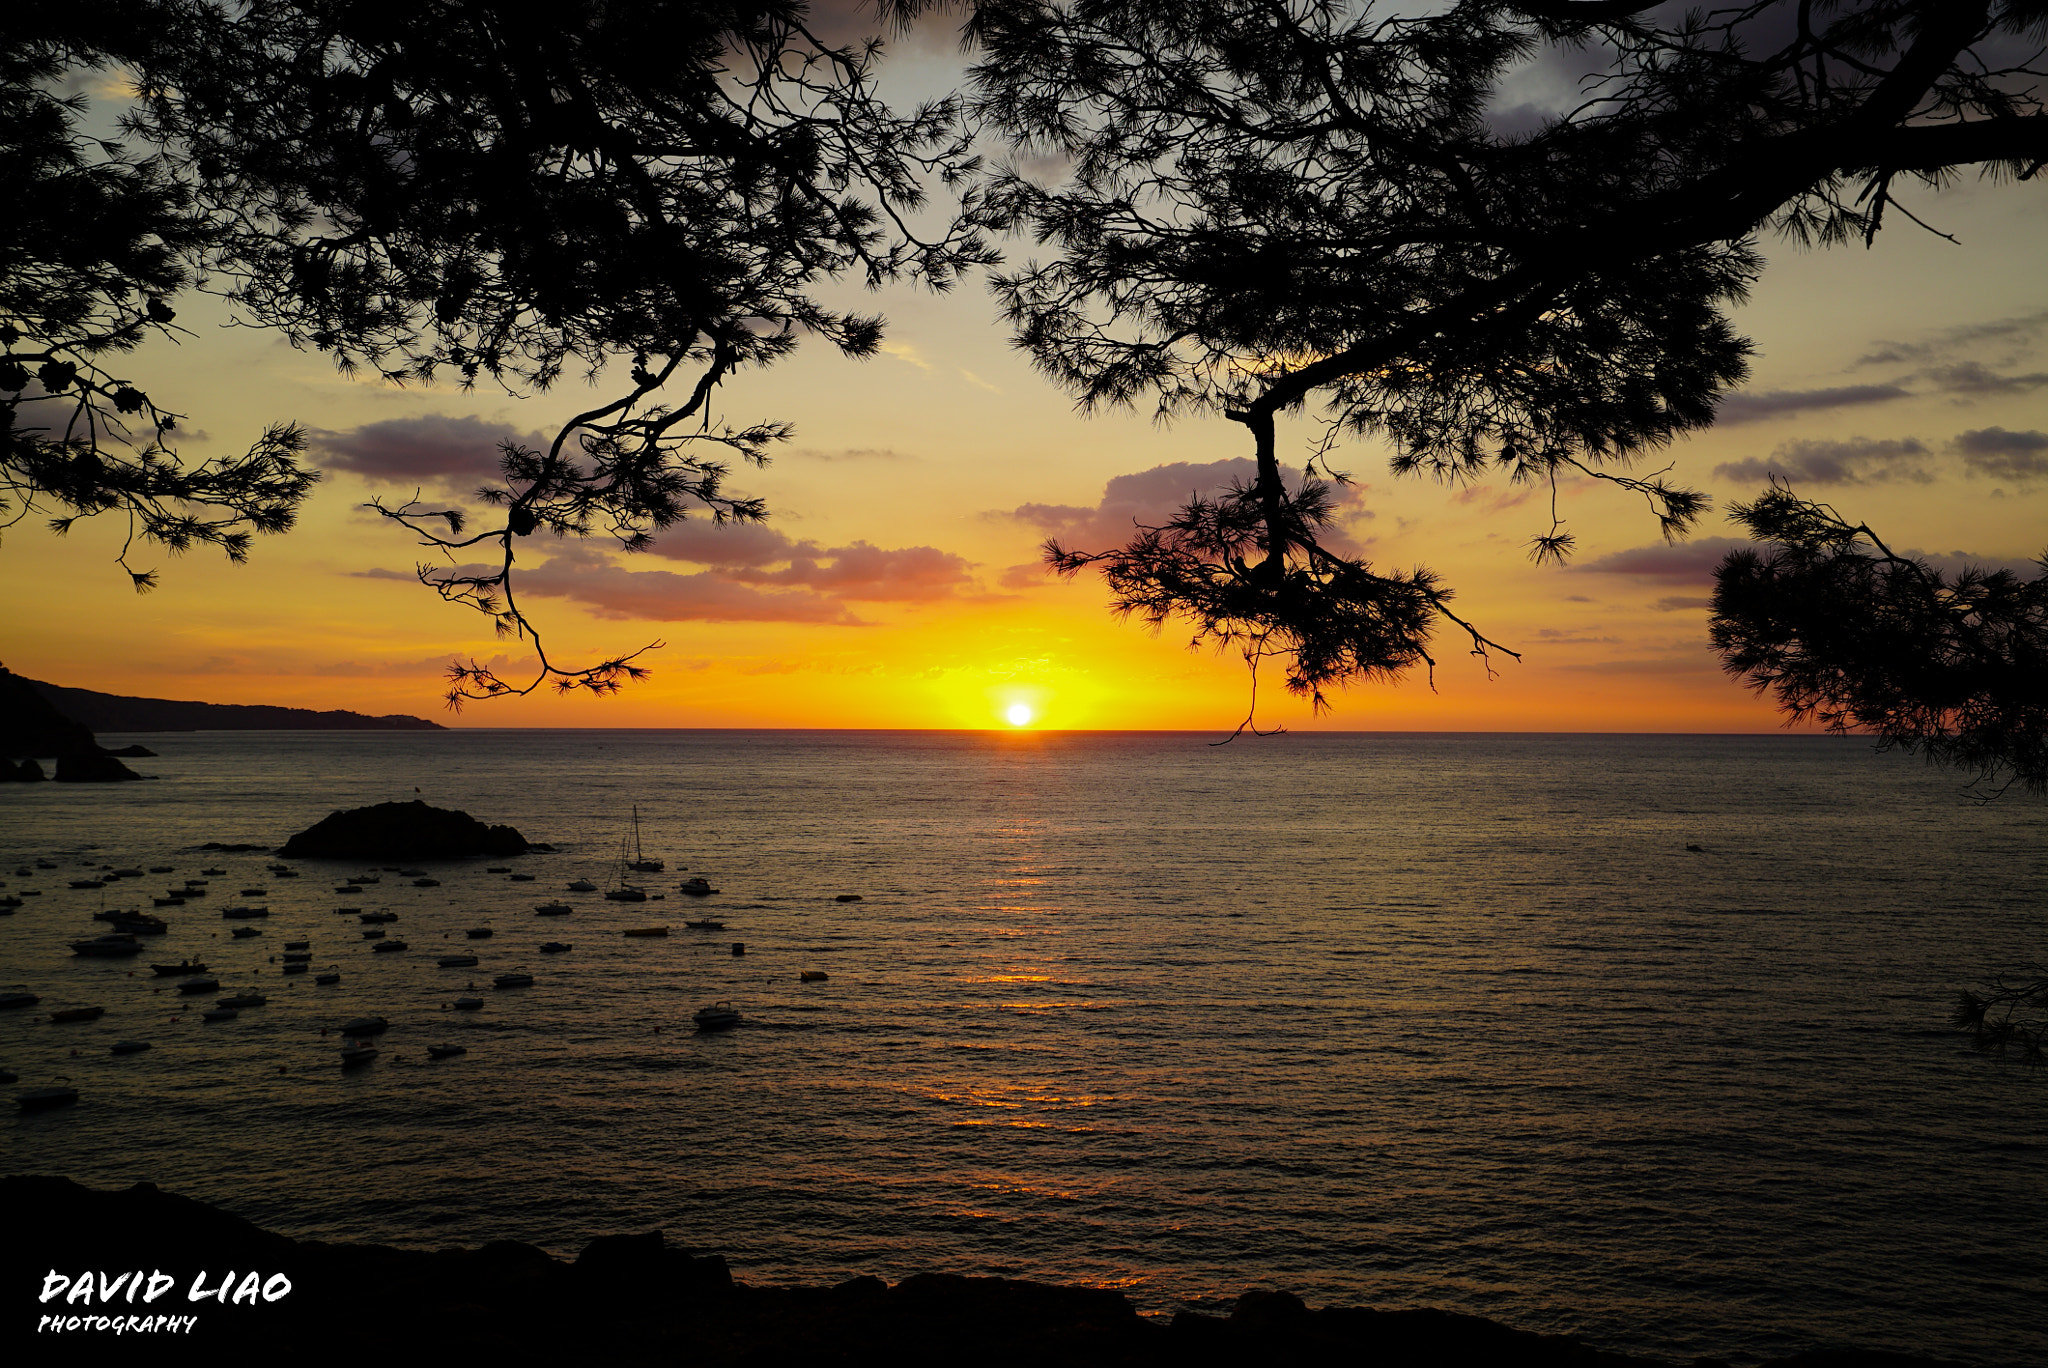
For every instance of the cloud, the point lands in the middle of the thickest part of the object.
(584, 575)
(1974, 377)
(1029, 575)
(1151, 497)
(1860, 460)
(2021, 456)
(1756, 408)
(744, 553)
(1674, 603)
(2014, 331)
(456, 454)
(1691, 562)
(849, 454)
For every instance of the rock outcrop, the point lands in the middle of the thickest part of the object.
(636, 1299)
(403, 831)
(31, 726)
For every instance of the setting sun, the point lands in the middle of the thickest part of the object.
(1019, 714)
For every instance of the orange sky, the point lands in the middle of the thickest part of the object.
(897, 586)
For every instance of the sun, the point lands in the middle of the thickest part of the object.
(1019, 714)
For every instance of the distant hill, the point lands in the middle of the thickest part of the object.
(102, 712)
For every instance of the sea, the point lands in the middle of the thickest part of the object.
(1639, 1038)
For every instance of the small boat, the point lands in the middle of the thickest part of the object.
(18, 999)
(284, 873)
(124, 1047)
(390, 945)
(127, 873)
(412, 873)
(696, 887)
(297, 956)
(426, 883)
(455, 961)
(812, 976)
(467, 1004)
(78, 1014)
(553, 947)
(479, 933)
(297, 945)
(365, 1026)
(348, 890)
(40, 1099)
(190, 890)
(253, 893)
(647, 931)
(626, 893)
(87, 883)
(582, 886)
(446, 1051)
(553, 909)
(374, 933)
(497, 869)
(244, 913)
(163, 869)
(352, 1055)
(241, 1000)
(297, 968)
(181, 967)
(367, 879)
(203, 984)
(349, 911)
(705, 925)
(513, 981)
(375, 917)
(219, 1014)
(519, 878)
(213, 873)
(326, 978)
(112, 944)
(244, 932)
(168, 902)
(138, 923)
(718, 1016)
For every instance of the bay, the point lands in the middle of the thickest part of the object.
(1451, 1020)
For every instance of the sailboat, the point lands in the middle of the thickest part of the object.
(625, 892)
(640, 861)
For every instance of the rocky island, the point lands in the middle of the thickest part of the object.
(402, 831)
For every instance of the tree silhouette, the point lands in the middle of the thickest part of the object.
(1846, 632)
(505, 193)
(96, 245)
(1272, 205)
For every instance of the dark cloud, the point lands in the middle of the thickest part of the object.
(455, 454)
(2013, 332)
(755, 554)
(1151, 497)
(1974, 377)
(1673, 603)
(1992, 451)
(1691, 562)
(1756, 408)
(1860, 460)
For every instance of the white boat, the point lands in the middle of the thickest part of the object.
(718, 1016)
(697, 887)
(582, 886)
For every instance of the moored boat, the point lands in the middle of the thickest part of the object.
(78, 1014)
(204, 984)
(553, 947)
(518, 980)
(718, 1016)
(364, 1026)
(40, 1099)
(111, 945)
(446, 1051)
(456, 961)
(647, 931)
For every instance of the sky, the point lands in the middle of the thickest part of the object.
(898, 582)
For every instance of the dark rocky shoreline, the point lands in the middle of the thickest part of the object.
(636, 1299)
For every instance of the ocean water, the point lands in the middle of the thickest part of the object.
(1384, 1020)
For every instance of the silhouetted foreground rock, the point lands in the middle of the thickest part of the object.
(31, 726)
(403, 831)
(633, 1299)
